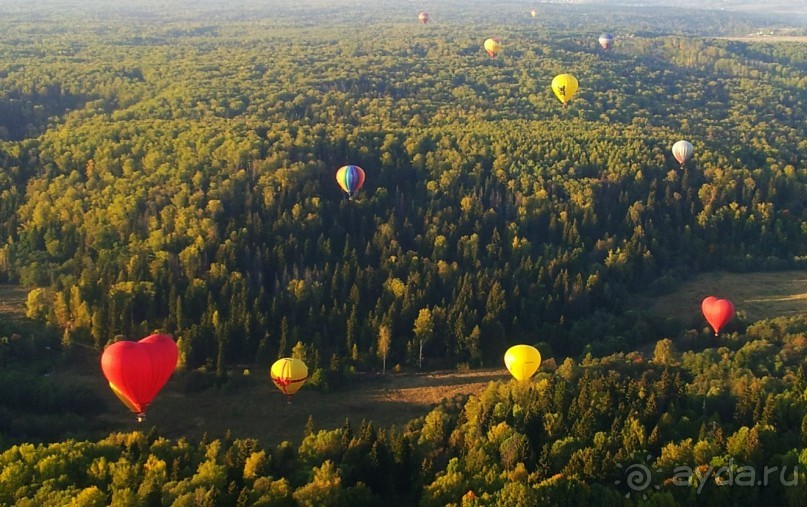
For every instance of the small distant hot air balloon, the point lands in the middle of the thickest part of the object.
(718, 312)
(606, 41)
(136, 371)
(350, 178)
(564, 86)
(493, 46)
(289, 374)
(683, 151)
(423, 17)
(533, 13)
(522, 361)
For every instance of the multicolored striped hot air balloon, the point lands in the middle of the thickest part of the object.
(350, 178)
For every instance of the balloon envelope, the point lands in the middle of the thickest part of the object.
(136, 371)
(718, 312)
(522, 361)
(683, 151)
(350, 178)
(564, 86)
(493, 46)
(289, 375)
(423, 17)
(533, 13)
(606, 40)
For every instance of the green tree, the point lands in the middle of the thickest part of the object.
(384, 343)
(325, 489)
(423, 331)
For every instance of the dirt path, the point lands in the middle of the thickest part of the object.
(257, 410)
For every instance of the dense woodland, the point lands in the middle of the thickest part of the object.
(176, 172)
(571, 436)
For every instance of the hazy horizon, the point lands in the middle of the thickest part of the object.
(769, 7)
(709, 18)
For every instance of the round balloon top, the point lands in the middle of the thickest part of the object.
(522, 361)
(718, 312)
(683, 151)
(533, 13)
(564, 86)
(350, 178)
(606, 40)
(423, 17)
(289, 374)
(493, 46)
(136, 371)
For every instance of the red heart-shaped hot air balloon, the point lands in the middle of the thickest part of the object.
(136, 371)
(717, 312)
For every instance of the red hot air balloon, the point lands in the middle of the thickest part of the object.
(423, 17)
(717, 312)
(136, 371)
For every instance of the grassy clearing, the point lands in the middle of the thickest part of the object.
(256, 409)
(251, 407)
(756, 296)
(12, 302)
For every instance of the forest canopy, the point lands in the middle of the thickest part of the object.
(173, 167)
(180, 176)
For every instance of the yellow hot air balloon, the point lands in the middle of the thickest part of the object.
(564, 86)
(289, 375)
(493, 46)
(522, 361)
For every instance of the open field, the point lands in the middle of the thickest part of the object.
(12, 302)
(256, 409)
(755, 296)
(251, 407)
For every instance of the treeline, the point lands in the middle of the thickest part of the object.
(191, 189)
(719, 425)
